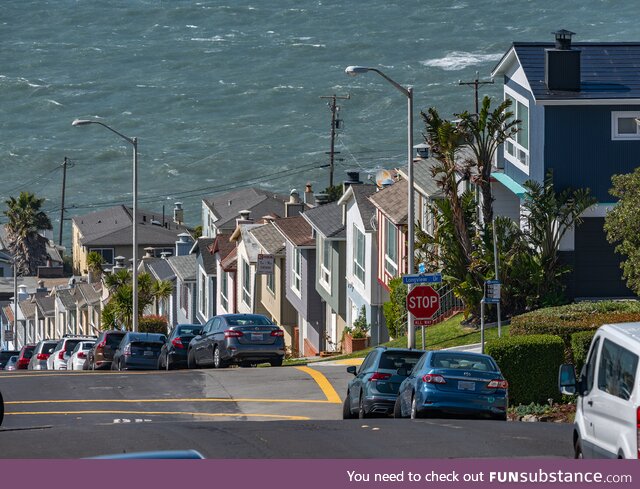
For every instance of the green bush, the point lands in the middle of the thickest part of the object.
(530, 365)
(580, 343)
(153, 324)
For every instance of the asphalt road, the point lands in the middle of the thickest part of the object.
(237, 413)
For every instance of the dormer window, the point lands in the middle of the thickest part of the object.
(625, 126)
(516, 149)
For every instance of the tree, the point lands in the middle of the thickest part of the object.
(484, 133)
(25, 220)
(95, 264)
(623, 226)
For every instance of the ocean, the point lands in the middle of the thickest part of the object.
(224, 94)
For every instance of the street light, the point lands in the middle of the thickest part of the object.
(408, 92)
(134, 143)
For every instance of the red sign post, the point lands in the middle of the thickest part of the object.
(423, 302)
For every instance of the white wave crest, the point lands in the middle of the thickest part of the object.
(53, 102)
(458, 60)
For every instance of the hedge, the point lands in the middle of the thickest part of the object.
(580, 343)
(153, 324)
(530, 365)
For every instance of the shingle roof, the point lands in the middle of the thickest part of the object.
(159, 268)
(366, 209)
(607, 71)
(28, 308)
(423, 179)
(46, 304)
(327, 220)
(113, 227)
(296, 230)
(392, 201)
(68, 301)
(222, 245)
(261, 203)
(184, 267)
(8, 312)
(90, 294)
(230, 262)
(208, 260)
(269, 238)
(251, 245)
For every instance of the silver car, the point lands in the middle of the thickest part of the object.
(41, 354)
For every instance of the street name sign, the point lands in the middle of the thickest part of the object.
(422, 278)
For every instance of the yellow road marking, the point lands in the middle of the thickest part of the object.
(349, 361)
(208, 399)
(160, 413)
(324, 384)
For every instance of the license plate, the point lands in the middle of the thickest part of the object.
(148, 353)
(256, 336)
(466, 386)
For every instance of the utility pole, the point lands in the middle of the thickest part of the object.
(64, 184)
(476, 83)
(335, 124)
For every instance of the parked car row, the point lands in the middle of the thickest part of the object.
(416, 383)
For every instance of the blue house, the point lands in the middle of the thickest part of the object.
(578, 104)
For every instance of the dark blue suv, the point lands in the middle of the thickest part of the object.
(374, 388)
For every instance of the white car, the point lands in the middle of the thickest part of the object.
(58, 358)
(607, 422)
(79, 355)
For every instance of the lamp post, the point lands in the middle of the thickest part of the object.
(134, 143)
(408, 92)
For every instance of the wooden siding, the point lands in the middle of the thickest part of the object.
(401, 245)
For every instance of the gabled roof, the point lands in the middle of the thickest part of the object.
(46, 304)
(89, 292)
(607, 70)
(270, 239)
(8, 312)
(113, 227)
(327, 220)
(360, 193)
(230, 262)
(159, 268)
(392, 201)
(226, 207)
(184, 267)
(201, 247)
(251, 246)
(297, 231)
(423, 179)
(222, 245)
(28, 307)
(67, 300)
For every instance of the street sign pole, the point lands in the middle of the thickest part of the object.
(482, 326)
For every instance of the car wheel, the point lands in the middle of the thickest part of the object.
(277, 362)
(190, 360)
(217, 361)
(346, 408)
(397, 408)
(577, 449)
(362, 413)
(415, 413)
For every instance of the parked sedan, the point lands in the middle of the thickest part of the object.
(79, 355)
(174, 351)
(5, 355)
(138, 351)
(452, 382)
(12, 364)
(244, 339)
(374, 388)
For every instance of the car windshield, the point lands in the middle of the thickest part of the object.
(28, 352)
(48, 348)
(114, 339)
(393, 360)
(87, 346)
(189, 330)
(462, 361)
(253, 320)
(71, 344)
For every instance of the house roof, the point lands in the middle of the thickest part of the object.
(113, 227)
(226, 207)
(423, 179)
(8, 312)
(392, 201)
(230, 262)
(89, 292)
(360, 193)
(607, 70)
(68, 301)
(159, 268)
(327, 220)
(269, 238)
(184, 267)
(28, 307)
(296, 230)
(46, 304)
(201, 247)
(251, 245)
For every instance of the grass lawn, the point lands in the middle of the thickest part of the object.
(443, 335)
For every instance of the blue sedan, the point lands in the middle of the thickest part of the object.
(452, 382)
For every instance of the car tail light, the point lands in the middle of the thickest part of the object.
(434, 379)
(379, 376)
(177, 342)
(277, 332)
(127, 350)
(61, 354)
(498, 384)
(23, 361)
(42, 356)
(82, 355)
(102, 344)
(232, 333)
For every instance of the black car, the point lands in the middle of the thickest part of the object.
(243, 339)
(174, 351)
(101, 354)
(5, 355)
(138, 351)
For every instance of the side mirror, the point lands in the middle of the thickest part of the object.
(403, 371)
(567, 380)
(351, 369)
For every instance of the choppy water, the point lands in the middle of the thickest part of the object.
(227, 93)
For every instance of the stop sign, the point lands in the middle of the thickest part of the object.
(423, 302)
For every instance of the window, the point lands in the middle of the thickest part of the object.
(617, 370)
(107, 254)
(184, 299)
(296, 271)
(203, 294)
(427, 217)
(325, 262)
(358, 254)
(517, 148)
(271, 283)
(246, 283)
(391, 254)
(624, 125)
(224, 289)
(590, 367)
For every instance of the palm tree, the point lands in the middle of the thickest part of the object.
(25, 220)
(95, 263)
(161, 291)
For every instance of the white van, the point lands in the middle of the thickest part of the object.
(607, 423)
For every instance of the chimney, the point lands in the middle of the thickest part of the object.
(178, 213)
(353, 178)
(245, 217)
(41, 287)
(148, 252)
(165, 254)
(119, 264)
(562, 64)
(321, 199)
(422, 151)
(294, 207)
(184, 244)
(308, 195)
(22, 292)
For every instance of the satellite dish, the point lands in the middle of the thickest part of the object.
(384, 178)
